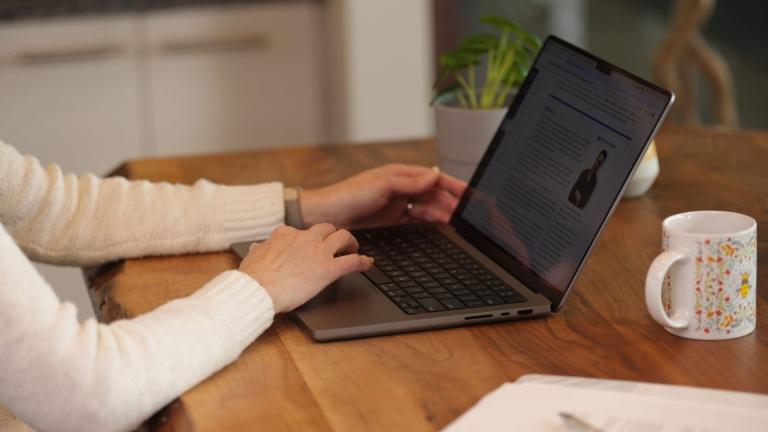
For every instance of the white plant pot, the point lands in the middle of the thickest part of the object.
(463, 135)
(645, 175)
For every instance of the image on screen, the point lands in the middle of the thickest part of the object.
(561, 157)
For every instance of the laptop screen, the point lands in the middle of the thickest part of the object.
(557, 164)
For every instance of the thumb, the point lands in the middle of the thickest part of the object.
(414, 185)
(350, 263)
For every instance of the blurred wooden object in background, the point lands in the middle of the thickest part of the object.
(683, 52)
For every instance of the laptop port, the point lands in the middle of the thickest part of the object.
(478, 316)
(525, 312)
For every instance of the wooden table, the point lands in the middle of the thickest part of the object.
(422, 381)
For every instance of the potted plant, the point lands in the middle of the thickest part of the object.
(473, 89)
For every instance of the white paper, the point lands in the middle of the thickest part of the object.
(693, 394)
(532, 406)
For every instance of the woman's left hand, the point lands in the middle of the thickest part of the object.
(389, 195)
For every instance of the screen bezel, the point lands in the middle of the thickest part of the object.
(493, 250)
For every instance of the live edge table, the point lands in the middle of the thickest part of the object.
(422, 381)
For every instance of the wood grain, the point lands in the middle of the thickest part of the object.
(422, 381)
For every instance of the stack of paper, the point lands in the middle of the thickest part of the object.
(538, 403)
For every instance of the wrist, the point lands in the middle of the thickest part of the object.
(312, 203)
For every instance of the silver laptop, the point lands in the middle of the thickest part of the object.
(542, 193)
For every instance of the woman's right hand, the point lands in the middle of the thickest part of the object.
(293, 265)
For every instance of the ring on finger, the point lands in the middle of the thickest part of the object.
(409, 206)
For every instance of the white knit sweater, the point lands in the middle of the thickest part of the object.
(58, 374)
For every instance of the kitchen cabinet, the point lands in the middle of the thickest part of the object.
(89, 92)
(69, 91)
(235, 78)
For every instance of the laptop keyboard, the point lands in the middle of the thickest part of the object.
(423, 271)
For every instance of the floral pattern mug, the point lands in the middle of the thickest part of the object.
(703, 286)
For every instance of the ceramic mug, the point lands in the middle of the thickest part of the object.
(703, 285)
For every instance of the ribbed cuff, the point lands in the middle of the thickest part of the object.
(247, 308)
(252, 212)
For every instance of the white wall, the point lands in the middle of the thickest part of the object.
(381, 61)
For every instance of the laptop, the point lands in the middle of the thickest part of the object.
(542, 193)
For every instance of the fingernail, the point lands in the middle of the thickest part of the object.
(436, 169)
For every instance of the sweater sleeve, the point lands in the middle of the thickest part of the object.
(65, 219)
(58, 374)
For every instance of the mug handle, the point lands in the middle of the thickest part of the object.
(653, 284)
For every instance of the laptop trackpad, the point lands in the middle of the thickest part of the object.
(351, 301)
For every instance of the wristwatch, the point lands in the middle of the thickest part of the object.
(293, 215)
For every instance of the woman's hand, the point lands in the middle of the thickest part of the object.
(293, 265)
(381, 196)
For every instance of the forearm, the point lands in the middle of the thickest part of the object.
(65, 219)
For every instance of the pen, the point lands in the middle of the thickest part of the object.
(578, 424)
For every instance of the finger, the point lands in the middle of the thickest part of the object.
(430, 214)
(341, 242)
(407, 170)
(451, 184)
(438, 198)
(322, 230)
(413, 185)
(352, 263)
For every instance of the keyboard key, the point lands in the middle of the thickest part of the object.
(436, 290)
(421, 295)
(466, 298)
(412, 311)
(413, 289)
(452, 303)
(483, 292)
(395, 293)
(461, 292)
(444, 295)
(474, 303)
(492, 300)
(516, 299)
(433, 284)
(377, 276)
(409, 303)
(431, 305)
(388, 287)
(446, 281)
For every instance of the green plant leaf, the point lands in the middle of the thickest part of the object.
(501, 23)
(459, 60)
(507, 56)
(480, 43)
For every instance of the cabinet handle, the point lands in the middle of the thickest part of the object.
(74, 54)
(220, 44)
